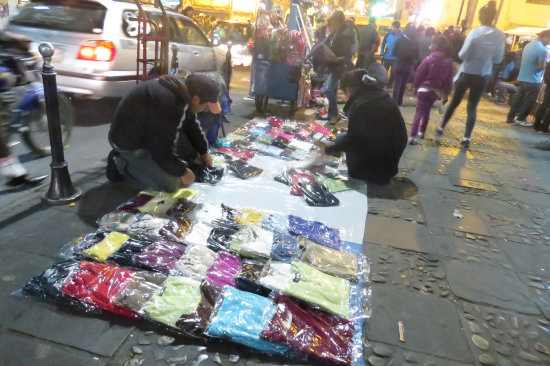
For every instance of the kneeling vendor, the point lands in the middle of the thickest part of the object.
(146, 129)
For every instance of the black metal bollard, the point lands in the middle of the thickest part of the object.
(61, 189)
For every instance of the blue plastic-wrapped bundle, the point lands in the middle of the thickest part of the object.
(315, 231)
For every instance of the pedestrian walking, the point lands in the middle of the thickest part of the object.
(369, 40)
(483, 48)
(424, 43)
(338, 59)
(542, 117)
(388, 58)
(533, 60)
(433, 78)
(406, 51)
(376, 136)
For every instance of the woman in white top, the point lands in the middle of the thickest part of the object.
(483, 48)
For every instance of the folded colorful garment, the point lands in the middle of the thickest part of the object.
(224, 270)
(315, 231)
(160, 256)
(331, 261)
(197, 322)
(140, 290)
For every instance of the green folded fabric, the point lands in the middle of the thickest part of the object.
(328, 292)
(181, 296)
(333, 185)
(264, 139)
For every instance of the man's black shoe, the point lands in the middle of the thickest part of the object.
(112, 172)
(27, 180)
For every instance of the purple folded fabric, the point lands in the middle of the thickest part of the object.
(224, 270)
(160, 256)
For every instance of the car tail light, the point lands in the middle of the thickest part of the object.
(97, 51)
(250, 43)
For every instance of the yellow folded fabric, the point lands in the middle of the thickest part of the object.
(110, 244)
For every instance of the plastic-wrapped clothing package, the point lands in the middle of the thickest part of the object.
(304, 134)
(280, 142)
(287, 153)
(248, 279)
(277, 276)
(220, 238)
(124, 256)
(160, 256)
(196, 261)
(223, 142)
(244, 155)
(181, 295)
(243, 170)
(316, 195)
(110, 244)
(286, 248)
(333, 185)
(275, 122)
(181, 207)
(148, 226)
(258, 131)
(198, 235)
(117, 221)
(210, 175)
(224, 270)
(158, 206)
(48, 286)
(186, 193)
(331, 261)
(320, 129)
(133, 205)
(266, 150)
(243, 144)
(298, 178)
(257, 243)
(285, 177)
(141, 288)
(218, 160)
(300, 145)
(264, 139)
(314, 231)
(276, 223)
(242, 316)
(315, 333)
(249, 217)
(176, 230)
(99, 284)
(197, 322)
(320, 289)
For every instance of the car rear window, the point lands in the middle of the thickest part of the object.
(73, 16)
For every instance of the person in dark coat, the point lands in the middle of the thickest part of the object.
(376, 136)
(406, 51)
(424, 43)
(148, 126)
(542, 116)
(369, 41)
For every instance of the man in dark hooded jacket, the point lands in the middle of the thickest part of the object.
(376, 136)
(145, 132)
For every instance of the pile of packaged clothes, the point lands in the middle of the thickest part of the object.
(276, 283)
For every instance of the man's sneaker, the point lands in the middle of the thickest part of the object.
(420, 135)
(413, 140)
(112, 171)
(333, 120)
(249, 97)
(465, 143)
(523, 123)
(440, 131)
(26, 180)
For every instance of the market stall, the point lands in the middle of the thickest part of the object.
(261, 251)
(279, 69)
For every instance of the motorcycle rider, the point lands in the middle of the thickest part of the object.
(10, 166)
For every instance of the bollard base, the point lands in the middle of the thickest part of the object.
(61, 191)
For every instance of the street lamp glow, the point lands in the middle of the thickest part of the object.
(430, 11)
(380, 10)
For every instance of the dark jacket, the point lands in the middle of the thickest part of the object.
(424, 47)
(368, 39)
(151, 117)
(546, 76)
(435, 72)
(406, 51)
(376, 136)
(341, 45)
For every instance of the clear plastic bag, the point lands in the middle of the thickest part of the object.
(224, 270)
(331, 261)
(139, 290)
(315, 231)
(243, 170)
(286, 248)
(241, 317)
(197, 322)
(248, 279)
(195, 262)
(310, 332)
(161, 256)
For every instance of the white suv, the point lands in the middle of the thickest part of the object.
(96, 47)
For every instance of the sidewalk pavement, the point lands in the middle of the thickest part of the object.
(460, 256)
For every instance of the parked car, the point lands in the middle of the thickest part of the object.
(95, 43)
(241, 36)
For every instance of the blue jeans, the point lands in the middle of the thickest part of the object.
(140, 165)
(331, 91)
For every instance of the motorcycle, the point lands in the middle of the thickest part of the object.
(22, 105)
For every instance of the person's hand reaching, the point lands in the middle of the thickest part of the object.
(206, 160)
